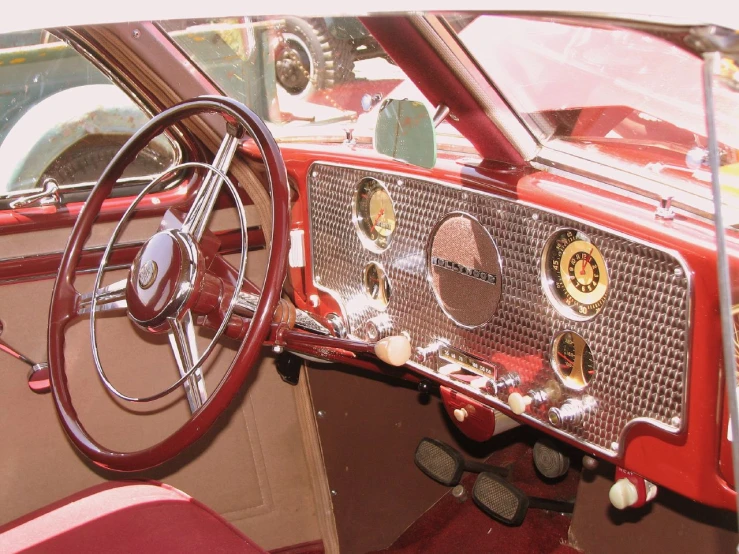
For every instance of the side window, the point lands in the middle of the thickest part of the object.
(62, 118)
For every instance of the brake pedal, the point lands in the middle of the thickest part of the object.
(446, 465)
(507, 503)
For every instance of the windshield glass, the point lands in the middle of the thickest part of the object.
(620, 97)
(580, 83)
(317, 79)
(570, 81)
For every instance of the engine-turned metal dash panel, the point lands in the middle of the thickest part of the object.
(639, 340)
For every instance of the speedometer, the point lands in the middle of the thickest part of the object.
(373, 214)
(574, 275)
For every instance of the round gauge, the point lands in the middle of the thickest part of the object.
(377, 285)
(373, 214)
(574, 275)
(572, 360)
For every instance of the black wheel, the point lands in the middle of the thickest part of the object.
(308, 58)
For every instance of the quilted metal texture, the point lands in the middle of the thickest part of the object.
(639, 340)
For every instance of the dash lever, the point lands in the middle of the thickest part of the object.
(38, 375)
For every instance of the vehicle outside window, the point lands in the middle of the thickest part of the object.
(315, 79)
(61, 118)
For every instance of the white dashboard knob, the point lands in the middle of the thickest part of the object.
(460, 414)
(623, 494)
(518, 403)
(394, 350)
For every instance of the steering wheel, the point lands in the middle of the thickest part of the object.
(171, 280)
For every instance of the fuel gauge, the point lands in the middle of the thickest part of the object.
(377, 285)
(572, 360)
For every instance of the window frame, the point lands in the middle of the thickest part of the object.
(181, 144)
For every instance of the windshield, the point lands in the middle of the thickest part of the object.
(579, 83)
(320, 79)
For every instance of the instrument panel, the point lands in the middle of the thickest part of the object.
(587, 330)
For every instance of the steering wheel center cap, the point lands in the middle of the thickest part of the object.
(161, 279)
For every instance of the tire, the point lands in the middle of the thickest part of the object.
(308, 58)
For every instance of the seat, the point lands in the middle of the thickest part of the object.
(143, 516)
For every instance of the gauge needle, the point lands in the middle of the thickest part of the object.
(377, 219)
(586, 260)
(565, 358)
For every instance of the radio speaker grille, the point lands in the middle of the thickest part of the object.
(464, 267)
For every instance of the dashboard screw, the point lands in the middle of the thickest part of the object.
(401, 182)
(535, 217)
(333, 492)
(614, 446)
(676, 421)
(321, 414)
(136, 33)
(678, 272)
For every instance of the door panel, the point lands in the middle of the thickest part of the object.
(252, 467)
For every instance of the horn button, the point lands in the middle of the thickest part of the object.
(161, 279)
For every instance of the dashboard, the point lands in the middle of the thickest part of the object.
(573, 326)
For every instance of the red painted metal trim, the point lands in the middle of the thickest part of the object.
(479, 423)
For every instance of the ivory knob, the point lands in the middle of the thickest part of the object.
(394, 350)
(518, 403)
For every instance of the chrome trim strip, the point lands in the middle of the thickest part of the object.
(88, 250)
(621, 181)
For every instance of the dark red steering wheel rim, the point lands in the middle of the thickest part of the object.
(65, 297)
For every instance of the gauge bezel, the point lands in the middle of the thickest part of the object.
(369, 243)
(374, 302)
(549, 283)
(554, 363)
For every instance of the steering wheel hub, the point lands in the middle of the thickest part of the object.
(161, 279)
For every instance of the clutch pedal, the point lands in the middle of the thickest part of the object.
(446, 465)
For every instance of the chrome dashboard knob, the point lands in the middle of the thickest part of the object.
(572, 412)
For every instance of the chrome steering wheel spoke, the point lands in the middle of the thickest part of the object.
(197, 218)
(183, 341)
(108, 298)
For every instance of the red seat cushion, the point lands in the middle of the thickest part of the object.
(124, 517)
